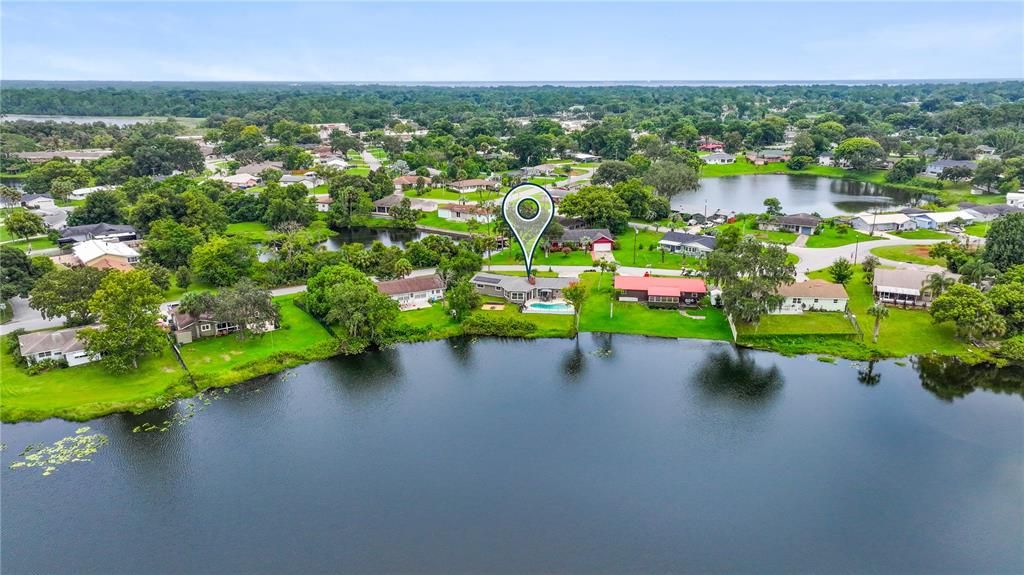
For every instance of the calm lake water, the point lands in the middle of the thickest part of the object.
(624, 454)
(827, 196)
(365, 236)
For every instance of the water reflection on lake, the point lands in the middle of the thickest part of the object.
(826, 196)
(606, 454)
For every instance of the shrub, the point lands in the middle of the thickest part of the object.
(44, 366)
(1013, 349)
(490, 324)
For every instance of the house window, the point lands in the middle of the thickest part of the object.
(796, 300)
(43, 354)
(815, 300)
(204, 327)
(835, 301)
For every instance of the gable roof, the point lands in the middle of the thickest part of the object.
(388, 201)
(800, 219)
(87, 231)
(466, 209)
(410, 285)
(580, 233)
(875, 219)
(683, 238)
(813, 288)
(409, 180)
(519, 283)
(904, 280)
(661, 286)
(63, 340)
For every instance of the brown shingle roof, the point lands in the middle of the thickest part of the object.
(410, 285)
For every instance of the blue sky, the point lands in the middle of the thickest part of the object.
(364, 42)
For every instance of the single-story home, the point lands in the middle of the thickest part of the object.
(767, 156)
(688, 244)
(584, 158)
(58, 344)
(465, 212)
(826, 159)
(812, 295)
(903, 286)
(935, 168)
(101, 231)
(383, 206)
(870, 222)
(989, 213)
(661, 292)
(188, 328)
(558, 194)
(600, 240)
(803, 224)
(258, 167)
(414, 292)
(82, 193)
(1015, 199)
(472, 185)
(334, 162)
(719, 158)
(518, 289)
(983, 149)
(936, 220)
(241, 181)
(38, 202)
(539, 170)
(323, 202)
(409, 181)
(100, 254)
(709, 144)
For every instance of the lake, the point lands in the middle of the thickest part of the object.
(617, 454)
(364, 236)
(826, 196)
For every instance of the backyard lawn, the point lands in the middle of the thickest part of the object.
(923, 234)
(438, 324)
(36, 244)
(226, 360)
(831, 237)
(359, 171)
(89, 391)
(809, 323)
(748, 227)
(914, 254)
(636, 318)
(431, 219)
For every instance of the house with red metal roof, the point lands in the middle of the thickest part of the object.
(661, 292)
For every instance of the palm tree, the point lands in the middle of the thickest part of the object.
(489, 243)
(977, 270)
(879, 312)
(937, 283)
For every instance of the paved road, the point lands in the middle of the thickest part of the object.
(817, 258)
(27, 318)
(56, 218)
(586, 175)
(372, 162)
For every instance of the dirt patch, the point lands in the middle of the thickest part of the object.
(168, 370)
(493, 307)
(919, 251)
(225, 356)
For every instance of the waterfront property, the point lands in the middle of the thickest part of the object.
(102, 231)
(61, 344)
(73, 156)
(935, 168)
(904, 287)
(709, 144)
(591, 239)
(465, 213)
(688, 244)
(992, 212)
(409, 181)
(413, 292)
(812, 295)
(188, 328)
(517, 289)
(383, 206)
(661, 292)
(803, 224)
(323, 202)
(719, 158)
(767, 156)
(870, 222)
(38, 202)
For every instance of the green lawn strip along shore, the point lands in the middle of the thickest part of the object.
(923, 234)
(638, 319)
(227, 360)
(978, 230)
(747, 225)
(809, 323)
(514, 255)
(435, 323)
(37, 244)
(905, 332)
(89, 391)
(432, 220)
(912, 254)
(258, 232)
(647, 253)
(830, 237)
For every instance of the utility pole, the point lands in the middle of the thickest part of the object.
(636, 237)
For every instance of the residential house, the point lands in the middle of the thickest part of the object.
(985, 150)
(382, 207)
(100, 254)
(38, 202)
(540, 170)
(871, 222)
(74, 156)
(55, 345)
(323, 202)
(240, 181)
(101, 231)
(520, 289)
(709, 144)
(803, 224)
(688, 244)
(767, 156)
(935, 168)
(592, 239)
(719, 158)
(466, 186)
(826, 159)
(1015, 199)
(661, 292)
(571, 223)
(912, 211)
(465, 212)
(258, 167)
(903, 286)
(414, 292)
(334, 162)
(937, 220)
(409, 181)
(309, 181)
(188, 328)
(584, 158)
(989, 213)
(812, 295)
(82, 193)
(558, 194)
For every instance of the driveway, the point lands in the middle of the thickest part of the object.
(56, 218)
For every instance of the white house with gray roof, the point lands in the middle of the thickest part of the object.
(56, 345)
(518, 289)
(688, 244)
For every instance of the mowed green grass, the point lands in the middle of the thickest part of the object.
(647, 252)
(747, 225)
(89, 391)
(226, 360)
(514, 255)
(808, 323)
(978, 230)
(913, 254)
(923, 234)
(36, 244)
(439, 324)
(446, 194)
(832, 238)
(636, 318)
(252, 231)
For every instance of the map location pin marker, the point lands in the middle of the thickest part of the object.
(528, 209)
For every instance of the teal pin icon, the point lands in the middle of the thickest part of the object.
(528, 209)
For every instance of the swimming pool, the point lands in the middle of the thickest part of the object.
(559, 307)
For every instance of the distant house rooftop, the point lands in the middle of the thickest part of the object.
(410, 285)
(803, 220)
